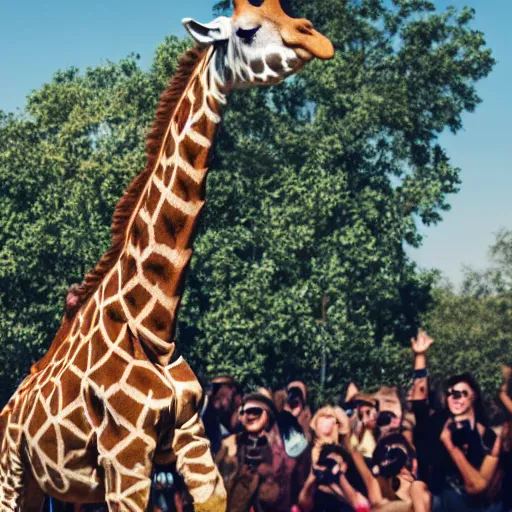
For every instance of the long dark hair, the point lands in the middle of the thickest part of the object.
(478, 404)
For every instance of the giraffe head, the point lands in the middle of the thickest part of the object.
(260, 44)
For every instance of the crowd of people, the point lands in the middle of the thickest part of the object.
(415, 450)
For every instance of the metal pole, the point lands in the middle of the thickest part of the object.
(323, 371)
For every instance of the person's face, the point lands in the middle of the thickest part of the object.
(295, 407)
(367, 416)
(326, 425)
(254, 419)
(223, 398)
(460, 398)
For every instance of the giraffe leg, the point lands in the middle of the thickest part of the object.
(190, 445)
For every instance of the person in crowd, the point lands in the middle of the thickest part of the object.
(257, 471)
(296, 404)
(220, 415)
(167, 493)
(459, 451)
(363, 415)
(506, 452)
(339, 478)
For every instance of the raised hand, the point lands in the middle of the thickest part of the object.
(421, 343)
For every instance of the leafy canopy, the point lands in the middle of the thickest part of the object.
(315, 188)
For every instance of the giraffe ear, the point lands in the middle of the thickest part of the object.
(208, 33)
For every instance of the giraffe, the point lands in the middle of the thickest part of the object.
(111, 396)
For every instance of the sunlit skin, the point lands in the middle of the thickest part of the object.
(325, 426)
(367, 415)
(461, 407)
(295, 411)
(254, 424)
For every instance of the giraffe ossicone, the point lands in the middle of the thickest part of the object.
(111, 397)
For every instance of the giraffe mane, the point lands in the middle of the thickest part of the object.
(123, 211)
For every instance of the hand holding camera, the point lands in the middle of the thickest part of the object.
(253, 450)
(329, 469)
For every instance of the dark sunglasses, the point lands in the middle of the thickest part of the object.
(456, 394)
(252, 411)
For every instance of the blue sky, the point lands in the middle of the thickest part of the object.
(37, 38)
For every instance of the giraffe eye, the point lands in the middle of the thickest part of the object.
(247, 35)
(256, 3)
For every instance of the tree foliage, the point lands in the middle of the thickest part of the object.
(315, 188)
(473, 328)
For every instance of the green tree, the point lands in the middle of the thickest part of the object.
(315, 188)
(63, 166)
(473, 328)
(318, 185)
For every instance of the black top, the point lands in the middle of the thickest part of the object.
(506, 465)
(438, 469)
(325, 502)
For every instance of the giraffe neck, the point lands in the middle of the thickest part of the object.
(160, 236)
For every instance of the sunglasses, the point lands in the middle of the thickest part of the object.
(456, 394)
(252, 411)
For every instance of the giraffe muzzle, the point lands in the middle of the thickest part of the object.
(302, 36)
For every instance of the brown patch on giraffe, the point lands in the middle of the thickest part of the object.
(94, 405)
(157, 268)
(160, 321)
(126, 406)
(99, 348)
(258, 66)
(160, 172)
(76, 327)
(115, 312)
(62, 351)
(54, 402)
(112, 286)
(71, 440)
(48, 443)
(182, 440)
(196, 452)
(71, 391)
(124, 208)
(38, 418)
(137, 498)
(77, 417)
(112, 435)
(140, 234)
(152, 199)
(87, 319)
(274, 62)
(170, 148)
(182, 373)
(183, 115)
(113, 329)
(81, 358)
(136, 299)
(165, 229)
(129, 269)
(143, 378)
(116, 370)
(132, 454)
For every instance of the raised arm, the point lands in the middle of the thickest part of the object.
(419, 346)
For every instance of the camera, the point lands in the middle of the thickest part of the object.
(385, 418)
(253, 454)
(461, 432)
(391, 454)
(326, 476)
